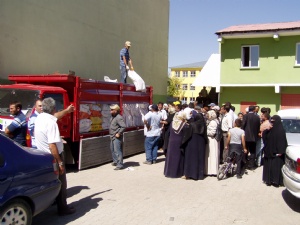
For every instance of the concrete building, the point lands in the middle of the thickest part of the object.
(260, 65)
(85, 36)
(188, 73)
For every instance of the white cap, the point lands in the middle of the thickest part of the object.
(128, 43)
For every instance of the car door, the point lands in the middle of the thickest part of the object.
(6, 168)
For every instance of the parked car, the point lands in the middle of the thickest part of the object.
(28, 182)
(291, 169)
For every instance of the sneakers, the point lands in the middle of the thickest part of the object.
(147, 163)
(67, 211)
(154, 162)
(238, 176)
(113, 164)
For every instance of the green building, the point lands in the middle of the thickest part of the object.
(260, 65)
(85, 36)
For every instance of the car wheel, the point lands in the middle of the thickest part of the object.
(16, 211)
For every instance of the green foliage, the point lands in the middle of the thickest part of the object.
(174, 86)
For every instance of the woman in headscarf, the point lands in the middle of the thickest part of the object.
(275, 145)
(174, 160)
(193, 143)
(167, 125)
(212, 156)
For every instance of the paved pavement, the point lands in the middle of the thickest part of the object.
(142, 195)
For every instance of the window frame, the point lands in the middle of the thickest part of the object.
(249, 61)
(192, 89)
(185, 74)
(177, 73)
(297, 54)
(183, 87)
(192, 99)
(193, 73)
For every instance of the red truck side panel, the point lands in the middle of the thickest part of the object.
(87, 91)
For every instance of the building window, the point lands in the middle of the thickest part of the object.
(193, 73)
(184, 86)
(298, 54)
(177, 73)
(185, 74)
(192, 99)
(192, 88)
(184, 100)
(250, 56)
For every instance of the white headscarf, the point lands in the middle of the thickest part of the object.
(178, 121)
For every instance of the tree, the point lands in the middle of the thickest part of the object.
(174, 86)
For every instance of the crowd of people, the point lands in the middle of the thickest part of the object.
(187, 135)
(195, 139)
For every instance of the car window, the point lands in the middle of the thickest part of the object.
(291, 126)
(26, 97)
(59, 100)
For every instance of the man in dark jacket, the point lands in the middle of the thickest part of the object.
(116, 130)
(251, 125)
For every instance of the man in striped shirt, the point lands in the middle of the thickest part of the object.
(18, 127)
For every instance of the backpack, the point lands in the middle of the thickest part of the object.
(219, 133)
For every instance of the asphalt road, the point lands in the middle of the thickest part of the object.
(142, 195)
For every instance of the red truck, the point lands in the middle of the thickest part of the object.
(86, 129)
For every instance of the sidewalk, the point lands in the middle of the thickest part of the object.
(142, 195)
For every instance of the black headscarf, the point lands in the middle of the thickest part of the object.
(275, 138)
(197, 126)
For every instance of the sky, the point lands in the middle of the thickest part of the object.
(193, 23)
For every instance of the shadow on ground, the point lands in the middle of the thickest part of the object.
(82, 206)
(291, 200)
(131, 164)
(160, 160)
(75, 190)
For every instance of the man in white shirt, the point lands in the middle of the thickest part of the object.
(231, 112)
(38, 109)
(47, 138)
(161, 111)
(225, 126)
(31, 122)
(153, 123)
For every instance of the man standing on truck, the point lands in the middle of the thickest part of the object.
(38, 110)
(47, 138)
(18, 127)
(116, 130)
(125, 62)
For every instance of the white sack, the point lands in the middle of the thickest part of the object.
(85, 125)
(137, 81)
